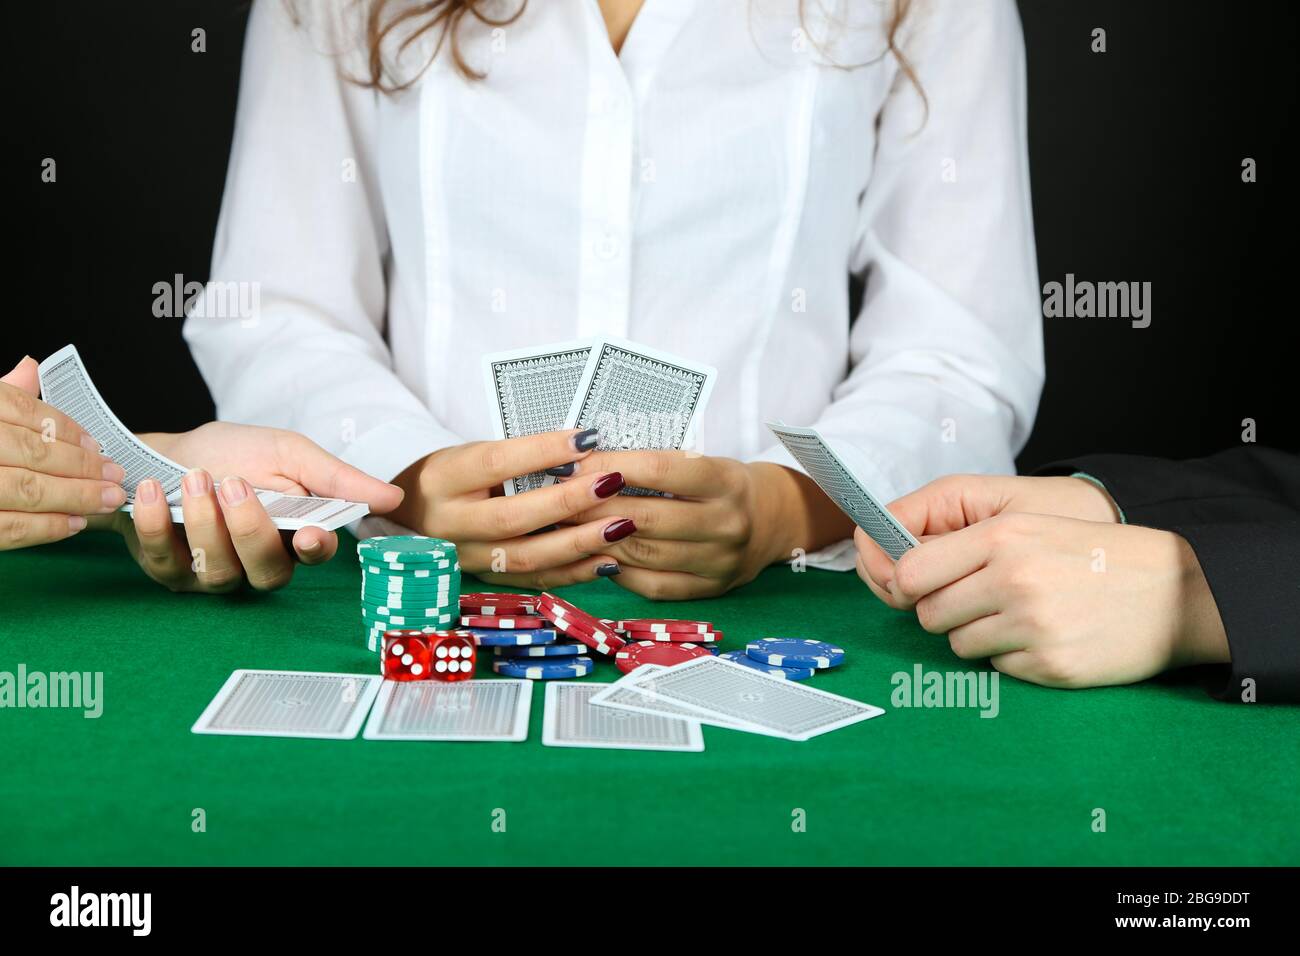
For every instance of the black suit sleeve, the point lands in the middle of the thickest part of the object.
(1240, 512)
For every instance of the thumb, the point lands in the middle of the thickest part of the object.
(950, 504)
(25, 376)
(326, 476)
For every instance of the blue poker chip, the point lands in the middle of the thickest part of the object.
(543, 668)
(784, 673)
(568, 649)
(794, 652)
(490, 637)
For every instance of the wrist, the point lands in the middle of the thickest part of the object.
(1199, 637)
(1090, 500)
(793, 513)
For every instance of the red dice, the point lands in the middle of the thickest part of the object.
(426, 655)
(407, 655)
(454, 655)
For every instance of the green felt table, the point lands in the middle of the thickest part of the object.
(1182, 779)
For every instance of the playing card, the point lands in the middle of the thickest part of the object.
(843, 487)
(570, 720)
(67, 386)
(639, 397)
(624, 694)
(532, 390)
(712, 687)
(462, 710)
(254, 703)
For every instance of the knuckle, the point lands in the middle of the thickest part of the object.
(16, 531)
(30, 491)
(505, 519)
(221, 580)
(22, 404)
(1060, 669)
(492, 458)
(272, 580)
(640, 550)
(34, 450)
(521, 562)
(928, 615)
(907, 574)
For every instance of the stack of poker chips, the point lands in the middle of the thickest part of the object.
(524, 643)
(407, 582)
(788, 658)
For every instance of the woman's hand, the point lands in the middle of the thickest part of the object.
(726, 521)
(1060, 601)
(954, 502)
(456, 494)
(51, 472)
(227, 537)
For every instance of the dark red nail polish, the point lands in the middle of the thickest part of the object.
(609, 485)
(620, 529)
(607, 570)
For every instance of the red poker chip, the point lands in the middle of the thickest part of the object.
(498, 601)
(574, 622)
(502, 623)
(675, 637)
(665, 625)
(655, 652)
(499, 610)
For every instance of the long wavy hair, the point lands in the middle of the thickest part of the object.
(444, 18)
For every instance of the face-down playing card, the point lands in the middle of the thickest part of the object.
(572, 720)
(843, 487)
(532, 390)
(482, 710)
(715, 688)
(257, 703)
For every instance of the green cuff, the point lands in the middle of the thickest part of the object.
(1087, 477)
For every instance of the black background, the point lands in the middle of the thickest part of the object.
(1135, 155)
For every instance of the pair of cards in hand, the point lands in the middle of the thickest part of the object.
(66, 385)
(641, 398)
(637, 397)
(651, 708)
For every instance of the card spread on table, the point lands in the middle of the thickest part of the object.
(66, 385)
(482, 710)
(843, 487)
(624, 694)
(257, 703)
(710, 686)
(570, 720)
(532, 390)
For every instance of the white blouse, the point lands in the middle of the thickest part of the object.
(708, 191)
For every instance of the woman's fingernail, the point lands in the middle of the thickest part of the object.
(147, 491)
(311, 547)
(620, 529)
(75, 523)
(234, 491)
(196, 484)
(607, 570)
(114, 472)
(586, 440)
(114, 497)
(610, 484)
(89, 444)
(563, 471)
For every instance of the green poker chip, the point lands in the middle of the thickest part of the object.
(405, 549)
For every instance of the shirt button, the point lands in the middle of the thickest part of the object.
(607, 247)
